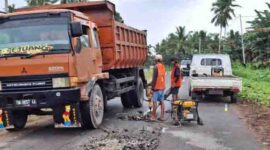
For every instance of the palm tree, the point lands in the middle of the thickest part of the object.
(182, 37)
(224, 11)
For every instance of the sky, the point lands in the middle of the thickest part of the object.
(161, 17)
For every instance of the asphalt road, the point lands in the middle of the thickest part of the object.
(221, 130)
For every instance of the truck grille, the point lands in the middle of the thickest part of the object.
(25, 83)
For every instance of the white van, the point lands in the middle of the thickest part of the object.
(211, 74)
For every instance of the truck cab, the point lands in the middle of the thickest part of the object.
(71, 59)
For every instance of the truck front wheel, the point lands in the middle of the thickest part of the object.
(92, 112)
(19, 119)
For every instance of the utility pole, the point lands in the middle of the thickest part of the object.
(6, 5)
(242, 40)
(200, 45)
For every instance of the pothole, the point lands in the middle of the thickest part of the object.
(144, 139)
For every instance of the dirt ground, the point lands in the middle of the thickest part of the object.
(258, 119)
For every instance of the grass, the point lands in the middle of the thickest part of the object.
(256, 83)
(149, 73)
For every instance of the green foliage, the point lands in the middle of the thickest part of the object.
(224, 11)
(183, 44)
(258, 42)
(40, 2)
(11, 8)
(256, 83)
(118, 17)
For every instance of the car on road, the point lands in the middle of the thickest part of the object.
(211, 75)
(184, 65)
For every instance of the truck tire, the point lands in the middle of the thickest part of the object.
(137, 95)
(92, 112)
(196, 96)
(126, 100)
(134, 98)
(193, 95)
(19, 119)
(233, 98)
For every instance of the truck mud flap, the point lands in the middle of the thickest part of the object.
(6, 119)
(67, 116)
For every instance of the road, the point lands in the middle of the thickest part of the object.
(221, 130)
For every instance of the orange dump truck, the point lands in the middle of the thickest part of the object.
(70, 58)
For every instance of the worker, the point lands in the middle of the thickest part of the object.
(158, 87)
(176, 80)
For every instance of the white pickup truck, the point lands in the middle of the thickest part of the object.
(211, 75)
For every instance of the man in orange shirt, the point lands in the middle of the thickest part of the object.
(158, 87)
(176, 78)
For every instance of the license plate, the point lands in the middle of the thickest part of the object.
(190, 116)
(216, 92)
(26, 102)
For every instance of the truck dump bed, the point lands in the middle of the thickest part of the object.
(122, 46)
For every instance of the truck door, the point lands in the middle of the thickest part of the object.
(83, 55)
(96, 51)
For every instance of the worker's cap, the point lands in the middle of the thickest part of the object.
(158, 57)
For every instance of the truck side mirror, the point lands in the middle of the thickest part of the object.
(76, 29)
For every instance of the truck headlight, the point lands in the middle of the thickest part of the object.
(60, 82)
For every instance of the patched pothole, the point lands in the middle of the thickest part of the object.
(146, 138)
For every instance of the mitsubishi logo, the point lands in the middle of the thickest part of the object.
(24, 71)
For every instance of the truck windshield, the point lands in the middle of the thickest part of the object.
(34, 36)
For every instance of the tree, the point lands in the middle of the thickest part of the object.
(182, 37)
(72, 1)
(118, 17)
(11, 8)
(40, 2)
(224, 11)
(258, 41)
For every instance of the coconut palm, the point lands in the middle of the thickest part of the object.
(182, 37)
(224, 11)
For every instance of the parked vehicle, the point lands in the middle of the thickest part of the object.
(211, 74)
(71, 58)
(185, 66)
(185, 63)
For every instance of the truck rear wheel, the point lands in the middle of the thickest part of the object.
(126, 100)
(233, 98)
(19, 119)
(134, 97)
(92, 112)
(137, 95)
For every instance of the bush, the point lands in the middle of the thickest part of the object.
(256, 83)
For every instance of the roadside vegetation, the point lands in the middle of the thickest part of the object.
(256, 74)
(256, 83)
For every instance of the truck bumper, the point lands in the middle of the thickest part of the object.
(64, 102)
(39, 99)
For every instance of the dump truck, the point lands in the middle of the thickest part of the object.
(68, 60)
